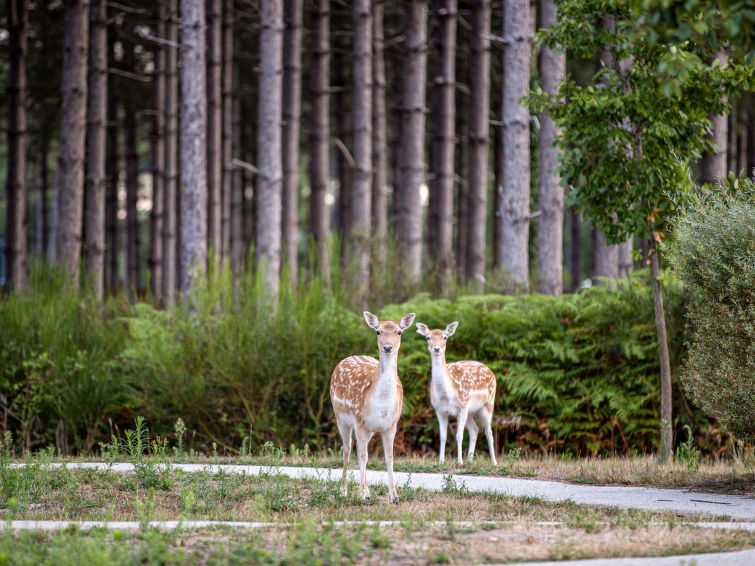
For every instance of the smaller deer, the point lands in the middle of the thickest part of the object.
(465, 390)
(368, 397)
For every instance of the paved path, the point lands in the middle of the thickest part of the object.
(738, 558)
(736, 507)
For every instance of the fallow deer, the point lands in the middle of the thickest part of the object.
(368, 397)
(465, 390)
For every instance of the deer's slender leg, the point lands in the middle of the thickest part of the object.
(363, 439)
(388, 437)
(472, 428)
(443, 426)
(487, 416)
(460, 425)
(345, 431)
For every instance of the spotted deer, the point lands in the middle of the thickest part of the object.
(465, 390)
(367, 398)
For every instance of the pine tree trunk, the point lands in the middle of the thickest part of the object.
(133, 245)
(625, 261)
(479, 110)
(667, 445)
(412, 155)
(744, 132)
(72, 135)
(550, 199)
(269, 187)
(343, 166)
(16, 214)
(605, 258)
(214, 128)
(291, 112)
(576, 249)
(361, 189)
(379, 205)
(193, 249)
(44, 185)
(170, 200)
(462, 186)
(714, 164)
(230, 137)
(320, 133)
(515, 209)
(731, 143)
(158, 160)
(443, 126)
(112, 240)
(497, 190)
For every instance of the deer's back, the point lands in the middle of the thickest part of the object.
(350, 383)
(473, 381)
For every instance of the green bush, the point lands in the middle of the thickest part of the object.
(714, 254)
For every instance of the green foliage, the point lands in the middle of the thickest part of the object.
(714, 254)
(688, 453)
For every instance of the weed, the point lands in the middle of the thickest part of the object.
(688, 453)
(453, 487)
(153, 471)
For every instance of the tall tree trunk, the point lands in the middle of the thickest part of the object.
(236, 187)
(72, 135)
(94, 246)
(320, 133)
(605, 258)
(515, 212)
(44, 185)
(112, 239)
(214, 125)
(16, 215)
(412, 155)
(443, 123)
(158, 160)
(625, 261)
(230, 136)
(462, 185)
(714, 164)
(667, 445)
(344, 171)
(269, 187)
(575, 263)
(133, 240)
(497, 188)
(744, 132)
(291, 111)
(479, 111)
(193, 254)
(379, 205)
(170, 199)
(550, 199)
(361, 189)
(731, 143)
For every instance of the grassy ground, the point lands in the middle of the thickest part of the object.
(450, 526)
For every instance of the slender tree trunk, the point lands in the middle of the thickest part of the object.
(344, 171)
(605, 258)
(44, 185)
(443, 122)
(112, 240)
(714, 164)
(515, 210)
(193, 254)
(269, 187)
(72, 135)
(744, 132)
(16, 215)
(379, 206)
(479, 116)
(497, 188)
(158, 160)
(214, 125)
(667, 445)
(238, 249)
(230, 138)
(320, 133)
(462, 185)
(291, 112)
(412, 155)
(550, 199)
(731, 143)
(361, 190)
(751, 142)
(170, 197)
(133, 243)
(625, 261)
(576, 249)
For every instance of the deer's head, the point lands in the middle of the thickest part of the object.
(388, 332)
(436, 339)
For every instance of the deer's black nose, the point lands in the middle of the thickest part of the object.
(436, 348)
(387, 349)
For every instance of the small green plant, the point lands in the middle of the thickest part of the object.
(151, 472)
(688, 453)
(454, 487)
(180, 431)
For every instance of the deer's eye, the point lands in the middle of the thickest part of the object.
(445, 338)
(399, 332)
(428, 338)
(377, 332)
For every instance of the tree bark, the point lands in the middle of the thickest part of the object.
(269, 187)
(411, 155)
(731, 143)
(462, 185)
(714, 164)
(625, 261)
(744, 132)
(170, 198)
(44, 185)
(238, 247)
(133, 244)
(663, 354)
(361, 189)
(320, 133)
(72, 135)
(576, 249)
(16, 215)
(515, 210)
(193, 254)
(158, 160)
(479, 111)
(605, 258)
(344, 172)
(112, 240)
(214, 124)
(550, 199)
(230, 185)
(291, 113)
(443, 125)
(379, 205)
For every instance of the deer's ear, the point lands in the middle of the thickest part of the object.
(371, 319)
(422, 329)
(451, 328)
(406, 321)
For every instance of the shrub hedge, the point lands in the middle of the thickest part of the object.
(578, 373)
